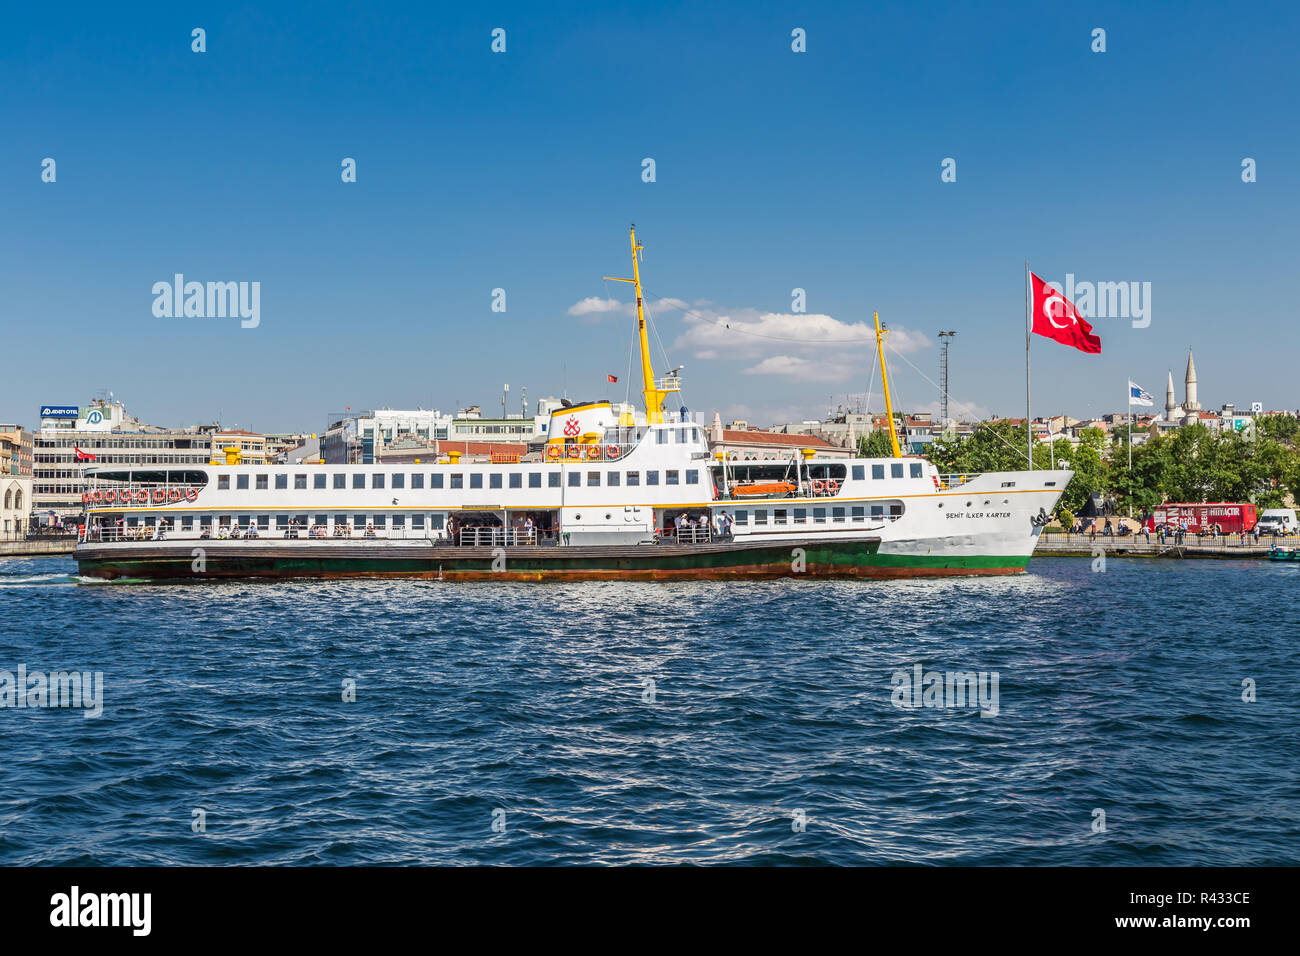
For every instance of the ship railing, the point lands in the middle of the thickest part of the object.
(693, 535)
(956, 481)
(497, 537)
(237, 533)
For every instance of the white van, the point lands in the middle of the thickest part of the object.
(1278, 521)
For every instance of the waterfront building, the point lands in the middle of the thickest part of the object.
(15, 505)
(15, 450)
(359, 439)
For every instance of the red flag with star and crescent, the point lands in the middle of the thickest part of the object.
(1055, 317)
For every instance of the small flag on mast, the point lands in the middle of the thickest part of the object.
(1138, 395)
(611, 378)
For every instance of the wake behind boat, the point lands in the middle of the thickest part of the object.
(607, 498)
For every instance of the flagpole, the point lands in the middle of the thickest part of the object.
(1130, 448)
(1029, 428)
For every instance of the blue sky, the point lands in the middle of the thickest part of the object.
(775, 170)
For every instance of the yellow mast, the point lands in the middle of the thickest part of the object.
(654, 393)
(884, 379)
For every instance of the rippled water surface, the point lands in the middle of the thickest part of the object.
(532, 706)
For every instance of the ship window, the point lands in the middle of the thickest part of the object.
(896, 511)
(435, 480)
(187, 523)
(819, 516)
(516, 480)
(399, 480)
(262, 483)
(859, 472)
(358, 480)
(417, 522)
(241, 482)
(322, 520)
(205, 522)
(359, 522)
(318, 481)
(800, 515)
(877, 471)
(534, 479)
(282, 522)
(377, 480)
(575, 479)
(779, 516)
(877, 511)
(760, 517)
(476, 479)
(661, 437)
(380, 521)
(652, 477)
(612, 478)
(681, 436)
(671, 477)
(633, 479)
(299, 482)
(915, 469)
(417, 479)
(149, 521)
(837, 514)
(593, 479)
(552, 479)
(494, 479)
(281, 482)
(692, 476)
(340, 480)
(223, 482)
(399, 521)
(435, 522)
(858, 513)
(457, 480)
(340, 521)
(896, 470)
(742, 517)
(264, 522)
(132, 521)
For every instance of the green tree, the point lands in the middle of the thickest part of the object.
(875, 445)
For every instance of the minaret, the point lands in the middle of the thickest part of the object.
(1189, 386)
(1170, 404)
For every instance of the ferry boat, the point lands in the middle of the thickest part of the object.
(606, 498)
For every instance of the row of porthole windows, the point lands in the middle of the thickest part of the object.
(841, 514)
(495, 479)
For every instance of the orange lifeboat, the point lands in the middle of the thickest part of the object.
(757, 489)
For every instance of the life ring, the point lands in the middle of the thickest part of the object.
(85, 498)
(141, 496)
(174, 495)
(159, 496)
(190, 494)
(818, 486)
(593, 453)
(110, 497)
(572, 451)
(612, 452)
(97, 497)
(554, 452)
(832, 486)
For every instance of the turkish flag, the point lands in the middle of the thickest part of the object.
(1055, 317)
(611, 378)
(83, 455)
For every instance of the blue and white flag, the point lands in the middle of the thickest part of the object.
(1138, 395)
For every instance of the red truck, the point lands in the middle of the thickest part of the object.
(1231, 518)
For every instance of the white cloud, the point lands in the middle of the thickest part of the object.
(751, 334)
(594, 307)
(798, 369)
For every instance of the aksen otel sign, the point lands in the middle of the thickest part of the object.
(60, 411)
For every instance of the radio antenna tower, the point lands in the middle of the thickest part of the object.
(945, 339)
